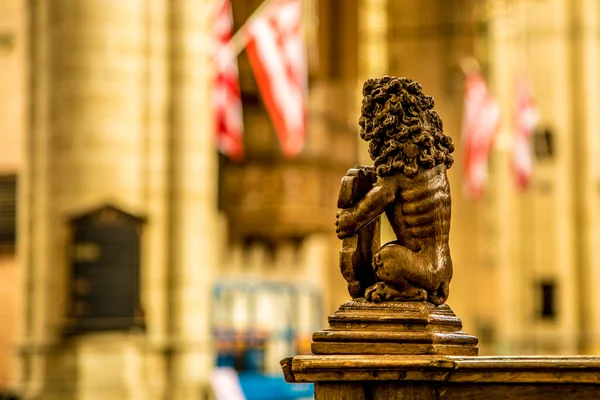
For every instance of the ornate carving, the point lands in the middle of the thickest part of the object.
(408, 182)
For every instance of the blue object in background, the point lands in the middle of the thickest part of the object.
(244, 350)
(266, 387)
(225, 360)
(255, 359)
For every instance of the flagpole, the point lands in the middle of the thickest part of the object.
(239, 40)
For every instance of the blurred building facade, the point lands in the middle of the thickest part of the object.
(545, 241)
(108, 105)
(116, 113)
(12, 126)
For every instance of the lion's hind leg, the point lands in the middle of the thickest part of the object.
(441, 294)
(390, 265)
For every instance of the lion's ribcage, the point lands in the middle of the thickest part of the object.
(426, 208)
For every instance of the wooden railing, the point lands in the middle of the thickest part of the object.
(402, 377)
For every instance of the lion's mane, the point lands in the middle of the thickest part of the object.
(393, 119)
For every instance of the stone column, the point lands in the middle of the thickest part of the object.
(155, 185)
(553, 236)
(508, 321)
(193, 229)
(119, 114)
(13, 47)
(85, 147)
(373, 38)
(585, 172)
(373, 46)
(373, 62)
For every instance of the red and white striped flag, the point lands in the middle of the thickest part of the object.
(526, 119)
(480, 125)
(227, 102)
(278, 58)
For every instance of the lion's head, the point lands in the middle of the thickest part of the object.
(403, 130)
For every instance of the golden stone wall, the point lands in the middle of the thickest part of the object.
(552, 233)
(9, 315)
(13, 26)
(119, 94)
(13, 49)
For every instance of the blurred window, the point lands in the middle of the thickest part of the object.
(8, 209)
(547, 290)
(543, 143)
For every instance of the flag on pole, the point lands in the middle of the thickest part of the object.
(278, 58)
(227, 102)
(480, 124)
(526, 119)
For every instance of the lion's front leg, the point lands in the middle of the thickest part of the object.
(352, 220)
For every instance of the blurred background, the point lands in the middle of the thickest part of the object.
(139, 262)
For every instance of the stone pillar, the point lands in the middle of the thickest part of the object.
(155, 245)
(193, 228)
(373, 62)
(85, 147)
(13, 47)
(583, 25)
(100, 85)
(373, 39)
(373, 49)
(501, 35)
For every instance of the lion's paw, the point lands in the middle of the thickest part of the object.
(381, 292)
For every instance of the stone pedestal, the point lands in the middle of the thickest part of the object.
(360, 327)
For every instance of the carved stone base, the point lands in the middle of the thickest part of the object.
(415, 328)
